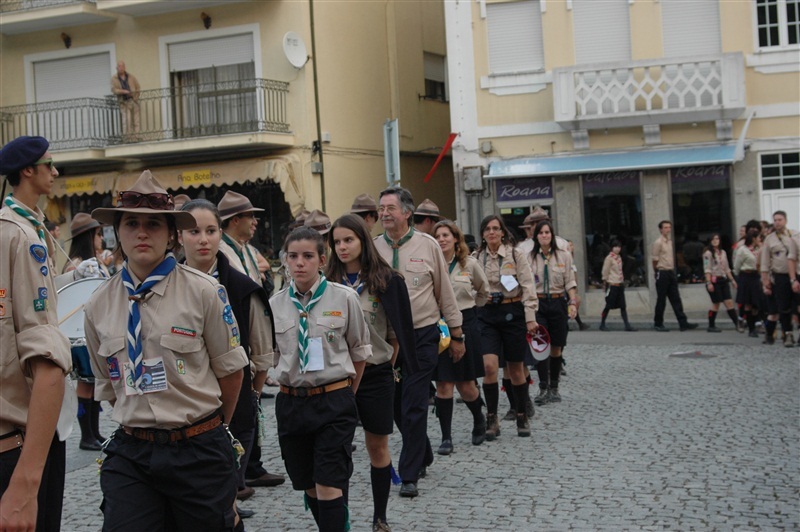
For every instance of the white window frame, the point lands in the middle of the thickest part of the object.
(774, 59)
(780, 165)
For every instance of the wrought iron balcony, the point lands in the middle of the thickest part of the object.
(176, 113)
(650, 92)
(9, 6)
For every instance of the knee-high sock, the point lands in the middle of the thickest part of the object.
(712, 318)
(555, 370)
(603, 316)
(543, 369)
(95, 419)
(475, 409)
(444, 410)
(734, 318)
(381, 478)
(332, 515)
(769, 327)
(624, 314)
(751, 321)
(312, 504)
(521, 395)
(509, 388)
(492, 393)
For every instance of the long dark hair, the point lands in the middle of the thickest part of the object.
(539, 227)
(710, 246)
(82, 246)
(507, 238)
(375, 272)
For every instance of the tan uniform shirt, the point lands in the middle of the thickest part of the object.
(469, 284)
(560, 273)
(508, 261)
(187, 322)
(336, 319)
(776, 252)
(425, 271)
(746, 259)
(662, 253)
(716, 264)
(612, 269)
(796, 238)
(380, 330)
(28, 320)
(526, 246)
(250, 267)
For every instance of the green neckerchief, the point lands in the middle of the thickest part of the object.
(302, 330)
(228, 240)
(546, 277)
(396, 247)
(453, 264)
(25, 213)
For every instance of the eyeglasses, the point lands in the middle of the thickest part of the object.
(48, 162)
(158, 201)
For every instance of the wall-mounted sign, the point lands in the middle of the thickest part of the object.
(527, 189)
(611, 183)
(717, 172)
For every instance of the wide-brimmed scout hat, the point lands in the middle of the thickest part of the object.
(233, 203)
(181, 200)
(319, 221)
(537, 215)
(21, 153)
(146, 196)
(428, 208)
(363, 203)
(81, 223)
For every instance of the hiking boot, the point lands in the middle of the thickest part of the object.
(554, 396)
(511, 415)
(492, 427)
(542, 398)
(479, 430)
(788, 340)
(523, 426)
(714, 329)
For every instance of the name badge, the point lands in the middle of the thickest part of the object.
(316, 362)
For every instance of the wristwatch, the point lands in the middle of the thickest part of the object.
(458, 338)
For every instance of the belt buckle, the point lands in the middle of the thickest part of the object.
(161, 437)
(301, 392)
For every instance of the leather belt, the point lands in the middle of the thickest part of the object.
(615, 284)
(308, 392)
(507, 300)
(170, 436)
(9, 443)
(555, 295)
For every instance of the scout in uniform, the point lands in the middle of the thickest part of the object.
(387, 311)
(718, 273)
(662, 255)
(419, 259)
(239, 226)
(779, 278)
(35, 354)
(472, 290)
(425, 217)
(505, 320)
(322, 343)
(615, 286)
(165, 352)
(555, 288)
(745, 266)
(364, 205)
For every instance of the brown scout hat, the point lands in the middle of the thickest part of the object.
(181, 200)
(319, 221)
(428, 208)
(363, 203)
(146, 196)
(81, 223)
(233, 203)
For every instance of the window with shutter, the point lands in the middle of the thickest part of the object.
(515, 37)
(602, 31)
(690, 28)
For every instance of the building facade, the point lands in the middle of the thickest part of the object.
(616, 115)
(283, 101)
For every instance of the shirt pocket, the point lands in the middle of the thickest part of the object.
(113, 353)
(331, 329)
(180, 350)
(558, 278)
(418, 275)
(8, 340)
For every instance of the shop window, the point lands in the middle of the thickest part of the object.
(613, 210)
(435, 77)
(778, 23)
(515, 37)
(780, 171)
(701, 206)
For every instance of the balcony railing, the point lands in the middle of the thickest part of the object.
(9, 6)
(177, 113)
(650, 92)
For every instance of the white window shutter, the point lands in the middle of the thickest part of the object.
(602, 31)
(220, 51)
(86, 76)
(515, 37)
(690, 28)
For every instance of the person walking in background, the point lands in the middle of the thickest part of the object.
(126, 87)
(779, 278)
(745, 266)
(718, 273)
(364, 206)
(426, 216)
(662, 254)
(614, 284)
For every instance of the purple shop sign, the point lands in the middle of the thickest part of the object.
(717, 172)
(527, 189)
(607, 182)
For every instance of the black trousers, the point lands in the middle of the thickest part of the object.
(667, 287)
(51, 490)
(412, 398)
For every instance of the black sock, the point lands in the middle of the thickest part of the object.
(543, 369)
(786, 322)
(332, 515)
(475, 408)
(603, 317)
(578, 320)
(624, 313)
(751, 322)
(444, 410)
(712, 317)
(770, 326)
(492, 394)
(313, 505)
(734, 317)
(381, 478)
(509, 389)
(555, 371)
(521, 394)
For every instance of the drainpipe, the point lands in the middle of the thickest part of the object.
(316, 105)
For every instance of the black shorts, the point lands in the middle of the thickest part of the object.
(780, 301)
(553, 315)
(615, 297)
(504, 329)
(375, 399)
(722, 291)
(470, 367)
(749, 290)
(316, 437)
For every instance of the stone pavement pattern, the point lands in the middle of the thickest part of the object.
(642, 441)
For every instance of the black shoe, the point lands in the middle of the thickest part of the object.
(752, 334)
(511, 415)
(769, 340)
(423, 472)
(603, 327)
(542, 397)
(479, 431)
(688, 326)
(245, 514)
(445, 448)
(554, 396)
(661, 328)
(584, 326)
(90, 445)
(529, 409)
(267, 479)
(409, 489)
(630, 328)
(711, 329)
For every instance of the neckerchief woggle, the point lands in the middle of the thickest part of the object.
(396, 247)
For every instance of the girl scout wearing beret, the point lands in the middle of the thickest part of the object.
(322, 344)
(387, 310)
(165, 353)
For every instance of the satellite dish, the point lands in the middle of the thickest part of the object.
(294, 48)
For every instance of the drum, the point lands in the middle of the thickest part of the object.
(71, 299)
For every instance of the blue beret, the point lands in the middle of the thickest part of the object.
(21, 152)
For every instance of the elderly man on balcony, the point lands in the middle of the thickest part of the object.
(126, 87)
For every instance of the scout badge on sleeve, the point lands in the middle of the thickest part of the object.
(539, 342)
